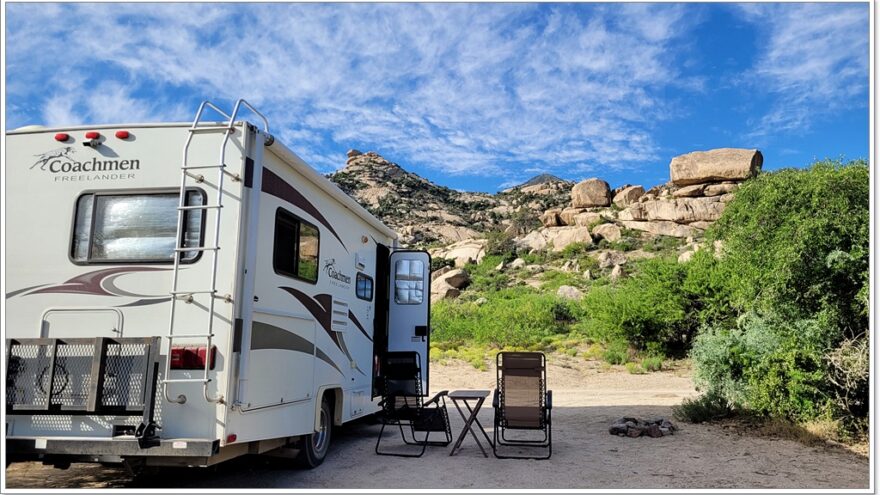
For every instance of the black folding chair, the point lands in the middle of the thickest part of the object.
(403, 405)
(522, 402)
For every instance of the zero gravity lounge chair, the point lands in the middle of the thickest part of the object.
(522, 402)
(403, 405)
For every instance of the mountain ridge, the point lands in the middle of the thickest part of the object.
(425, 213)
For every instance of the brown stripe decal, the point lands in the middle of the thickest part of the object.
(93, 282)
(266, 336)
(278, 187)
(318, 310)
(357, 323)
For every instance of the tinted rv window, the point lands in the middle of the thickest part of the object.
(409, 282)
(364, 287)
(297, 244)
(134, 227)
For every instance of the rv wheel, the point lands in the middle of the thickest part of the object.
(314, 447)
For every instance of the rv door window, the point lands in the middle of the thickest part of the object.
(133, 227)
(409, 281)
(297, 244)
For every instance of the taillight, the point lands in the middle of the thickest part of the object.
(93, 135)
(192, 358)
(122, 134)
(62, 136)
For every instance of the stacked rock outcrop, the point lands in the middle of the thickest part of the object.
(701, 185)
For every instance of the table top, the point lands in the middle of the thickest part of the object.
(469, 394)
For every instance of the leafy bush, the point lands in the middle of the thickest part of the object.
(652, 363)
(798, 243)
(650, 307)
(438, 263)
(617, 352)
(707, 407)
(575, 250)
(511, 317)
(767, 365)
(795, 262)
(485, 278)
(553, 279)
(663, 243)
(634, 369)
(500, 243)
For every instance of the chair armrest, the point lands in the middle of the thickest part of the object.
(437, 397)
(549, 399)
(496, 399)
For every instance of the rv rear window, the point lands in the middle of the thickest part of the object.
(364, 287)
(134, 228)
(297, 244)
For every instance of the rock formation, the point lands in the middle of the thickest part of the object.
(702, 184)
(589, 193)
(723, 164)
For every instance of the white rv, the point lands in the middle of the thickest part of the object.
(182, 294)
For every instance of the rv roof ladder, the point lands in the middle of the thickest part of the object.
(214, 249)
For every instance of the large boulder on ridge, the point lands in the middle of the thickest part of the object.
(628, 195)
(714, 166)
(591, 193)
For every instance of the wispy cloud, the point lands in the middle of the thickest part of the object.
(465, 89)
(814, 62)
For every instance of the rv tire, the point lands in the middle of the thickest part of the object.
(314, 447)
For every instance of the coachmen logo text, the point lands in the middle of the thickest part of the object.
(63, 167)
(332, 272)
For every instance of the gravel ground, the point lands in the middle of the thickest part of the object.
(586, 400)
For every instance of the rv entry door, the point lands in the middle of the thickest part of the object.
(409, 305)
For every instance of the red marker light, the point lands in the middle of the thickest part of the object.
(231, 438)
(93, 135)
(122, 134)
(192, 358)
(62, 136)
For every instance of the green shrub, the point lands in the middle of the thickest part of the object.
(795, 262)
(512, 317)
(553, 279)
(485, 278)
(617, 352)
(649, 307)
(663, 243)
(634, 369)
(438, 263)
(575, 250)
(798, 243)
(652, 363)
(767, 365)
(623, 244)
(707, 407)
(500, 243)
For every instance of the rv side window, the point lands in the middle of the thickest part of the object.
(364, 287)
(295, 253)
(409, 282)
(134, 228)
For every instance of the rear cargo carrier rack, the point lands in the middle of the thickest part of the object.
(84, 376)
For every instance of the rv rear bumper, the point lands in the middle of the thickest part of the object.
(24, 448)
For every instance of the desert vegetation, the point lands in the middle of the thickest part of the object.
(771, 311)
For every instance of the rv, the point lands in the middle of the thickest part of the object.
(183, 294)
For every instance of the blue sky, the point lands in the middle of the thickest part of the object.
(472, 96)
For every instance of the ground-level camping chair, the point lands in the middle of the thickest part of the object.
(403, 405)
(522, 402)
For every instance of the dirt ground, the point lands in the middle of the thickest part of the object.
(586, 398)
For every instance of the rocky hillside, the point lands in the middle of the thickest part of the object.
(547, 217)
(425, 213)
